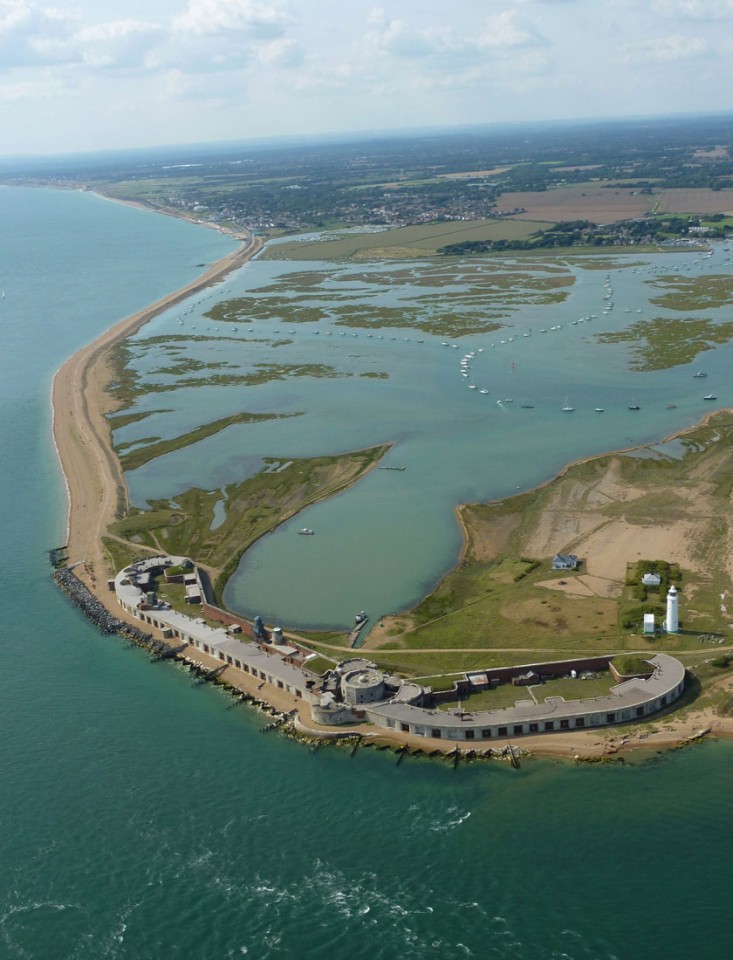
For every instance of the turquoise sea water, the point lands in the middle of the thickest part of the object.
(142, 818)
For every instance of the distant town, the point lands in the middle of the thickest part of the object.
(620, 183)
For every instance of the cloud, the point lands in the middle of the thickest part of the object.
(505, 31)
(694, 9)
(212, 17)
(509, 30)
(29, 90)
(283, 52)
(33, 35)
(665, 49)
(119, 43)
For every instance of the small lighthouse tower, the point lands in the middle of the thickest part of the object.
(672, 623)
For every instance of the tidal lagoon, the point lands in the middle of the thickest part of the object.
(143, 817)
(348, 356)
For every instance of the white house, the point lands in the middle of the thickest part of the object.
(564, 561)
(651, 580)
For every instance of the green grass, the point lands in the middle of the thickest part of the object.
(320, 665)
(121, 555)
(506, 695)
(629, 664)
(402, 242)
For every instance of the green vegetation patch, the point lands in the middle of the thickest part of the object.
(693, 293)
(152, 450)
(319, 665)
(189, 365)
(662, 343)
(401, 242)
(119, 420)
(630, 664)
(120, 554)
(249, 309)
(127, 384)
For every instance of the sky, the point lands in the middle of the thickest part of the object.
(84, 75)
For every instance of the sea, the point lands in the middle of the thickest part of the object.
(145, 818)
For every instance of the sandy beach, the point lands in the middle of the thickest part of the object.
(95, 482)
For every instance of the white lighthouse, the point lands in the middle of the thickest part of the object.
(672, 623)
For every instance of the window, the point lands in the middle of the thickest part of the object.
(564, 724)
(486, 734)
(662, 701)
(580, 721)
(610, 717)
(518, 729)
(435, 733)
(503, 731)
(534, 727)
(549, 724)
(405, 727)
(470, 734)
(640, 711)
(206, 648)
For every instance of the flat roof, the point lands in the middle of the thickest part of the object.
(668, 674)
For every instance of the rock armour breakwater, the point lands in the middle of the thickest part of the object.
(94, 610)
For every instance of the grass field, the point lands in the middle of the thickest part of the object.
(402, 242)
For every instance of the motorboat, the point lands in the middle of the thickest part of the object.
(710, 396)
(306, 532)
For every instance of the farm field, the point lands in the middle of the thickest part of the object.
(581, 201)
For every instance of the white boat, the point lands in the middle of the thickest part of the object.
(710, 396)
(599, 409)
(486, 391)
(567, 407)
(306, 532)
(700, 374)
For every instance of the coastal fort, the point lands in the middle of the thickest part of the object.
(355, 691)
